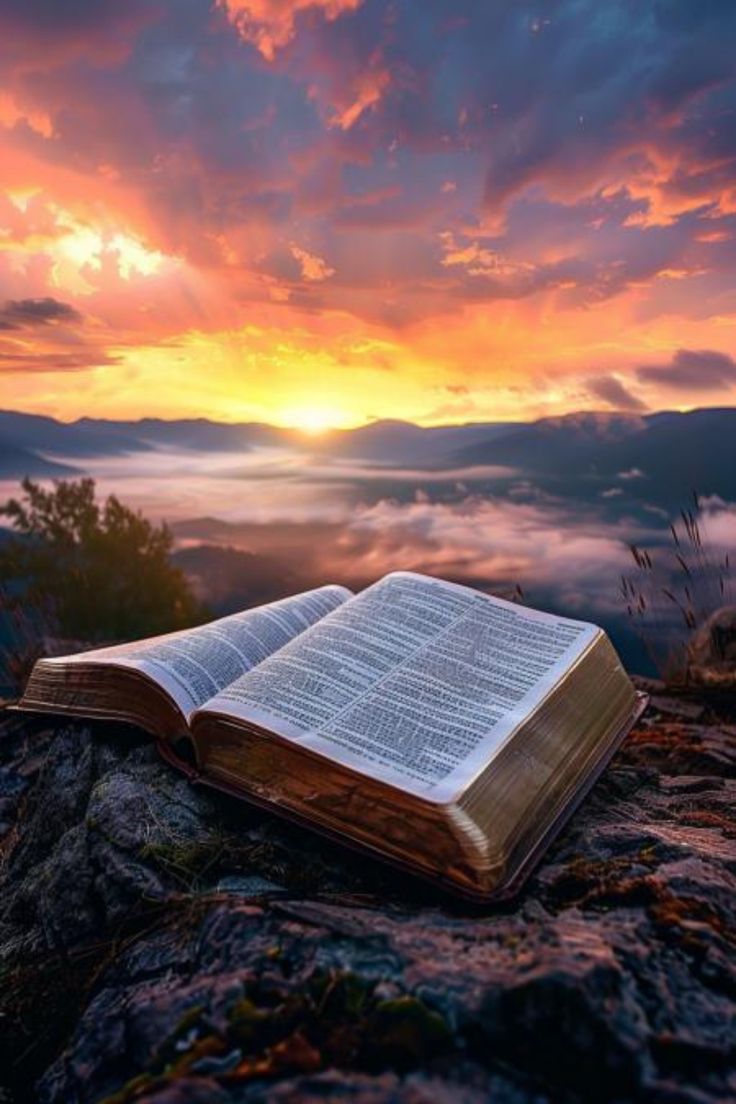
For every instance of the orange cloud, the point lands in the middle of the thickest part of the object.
(12, 111)
(363, 92)
(270, 24)
(312, 266)
(479, 261)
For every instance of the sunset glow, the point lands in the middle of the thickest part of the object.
(322, 212)
(312, 420)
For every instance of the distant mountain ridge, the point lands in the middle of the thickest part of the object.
(32, 443)
(671, 453)
(668, 452)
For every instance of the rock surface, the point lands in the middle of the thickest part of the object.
(162, 944)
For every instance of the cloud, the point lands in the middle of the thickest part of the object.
(325, 522)
(69, 17)
(100, 31)
(610, 390)
(54, 362)
(364, 91)
(499, 542)
(692, 370)
(598, 96)
(313, 268)
(478, 260)
(45, 335)
(501, 196)
(270, 24)
(17, 313)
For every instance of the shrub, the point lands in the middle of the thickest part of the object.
(96, 571)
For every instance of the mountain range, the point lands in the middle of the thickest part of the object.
(658, 457)
(29, 442)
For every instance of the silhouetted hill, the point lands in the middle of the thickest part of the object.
(661, 456)
(80, 439)
(196, 434)
(397, 442)
(16, 462)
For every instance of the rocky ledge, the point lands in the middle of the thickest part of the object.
(162, 944)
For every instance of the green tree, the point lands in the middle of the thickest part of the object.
(99, 571)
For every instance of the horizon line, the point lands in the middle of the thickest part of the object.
(326, 430)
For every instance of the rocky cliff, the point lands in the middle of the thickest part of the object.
(160, 943)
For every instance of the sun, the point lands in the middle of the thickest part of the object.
(312, 420)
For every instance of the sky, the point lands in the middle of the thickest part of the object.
(321, 212)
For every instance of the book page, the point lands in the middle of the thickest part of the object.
(416, 682)
(195, 664)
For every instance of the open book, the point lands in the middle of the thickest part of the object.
(447, 730)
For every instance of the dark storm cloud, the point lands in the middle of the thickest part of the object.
(693, 370)
(17, 313)
(46, 335)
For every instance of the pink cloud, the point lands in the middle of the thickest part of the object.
(486, 539)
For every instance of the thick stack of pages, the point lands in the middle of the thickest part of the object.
(443, 729)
